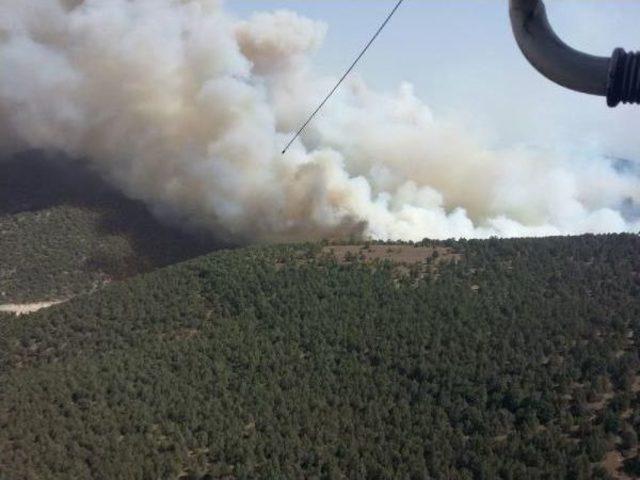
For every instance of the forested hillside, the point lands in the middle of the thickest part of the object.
(504, 359)
(64, 231)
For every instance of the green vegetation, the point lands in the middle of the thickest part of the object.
(515, 359)
(64, 232)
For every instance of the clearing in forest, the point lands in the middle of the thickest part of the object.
(401, 254)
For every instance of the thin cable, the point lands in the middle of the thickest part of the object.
(349, 70)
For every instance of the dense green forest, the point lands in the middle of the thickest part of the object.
(500, 359)
(64, 231)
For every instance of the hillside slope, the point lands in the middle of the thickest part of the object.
(505, 359)
(64, 231)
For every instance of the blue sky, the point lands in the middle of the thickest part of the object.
(462, 59)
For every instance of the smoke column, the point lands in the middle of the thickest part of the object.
(187, 108)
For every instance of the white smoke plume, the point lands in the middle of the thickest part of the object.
(187, 108)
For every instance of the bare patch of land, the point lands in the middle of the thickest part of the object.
(400, 254)
(614, 465)
(182, 334)
(27, 308)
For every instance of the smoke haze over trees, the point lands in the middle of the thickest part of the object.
(65, 232)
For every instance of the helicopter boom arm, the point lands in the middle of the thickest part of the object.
(617, 78)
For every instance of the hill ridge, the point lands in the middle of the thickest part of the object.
(279, 361)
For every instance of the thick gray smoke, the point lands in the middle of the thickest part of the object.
(188, 109)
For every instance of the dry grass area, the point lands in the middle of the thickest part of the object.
(182, 334)
(614, 464)
(400, 254)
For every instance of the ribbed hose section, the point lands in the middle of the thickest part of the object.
(624, 78)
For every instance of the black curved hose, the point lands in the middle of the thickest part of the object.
(617, 78)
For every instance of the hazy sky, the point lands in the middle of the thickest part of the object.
(462, 59)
